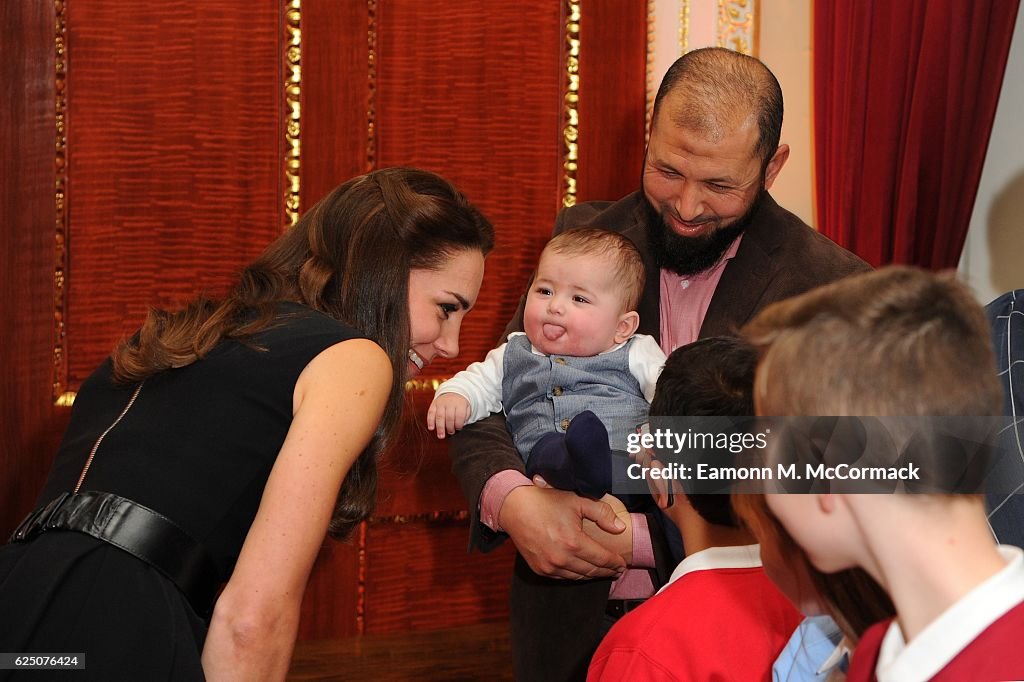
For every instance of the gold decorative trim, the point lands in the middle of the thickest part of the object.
(60, 252)
(737, 26)
(571, 129)
(649, 69)
(361, 582)
(371, 76)
(684, 26)
(371, 163)
(425, 384)
(425, 517)
(293, 109)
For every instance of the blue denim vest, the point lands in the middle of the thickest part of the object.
(542, 393)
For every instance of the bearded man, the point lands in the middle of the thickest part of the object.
(717, 249)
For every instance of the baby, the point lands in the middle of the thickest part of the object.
(579, 380)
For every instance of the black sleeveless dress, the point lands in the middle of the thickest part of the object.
(197, 445)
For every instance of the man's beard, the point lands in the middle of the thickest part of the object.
(690, 255)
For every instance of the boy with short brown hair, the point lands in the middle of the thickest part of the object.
(899, 342)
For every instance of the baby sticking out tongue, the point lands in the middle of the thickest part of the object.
(553, 332)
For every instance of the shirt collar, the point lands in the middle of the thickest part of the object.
(958, 626)
(739, 556)
(838, 659)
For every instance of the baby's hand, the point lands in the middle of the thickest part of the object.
(447, 414)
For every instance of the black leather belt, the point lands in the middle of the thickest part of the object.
(617, 608)
(136, 529)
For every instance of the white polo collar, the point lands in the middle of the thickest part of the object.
(958, 626)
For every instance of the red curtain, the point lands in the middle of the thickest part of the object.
(905, 95)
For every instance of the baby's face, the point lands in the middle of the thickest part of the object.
(574, 307)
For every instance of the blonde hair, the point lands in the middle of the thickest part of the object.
(852, 597)
(625, 257)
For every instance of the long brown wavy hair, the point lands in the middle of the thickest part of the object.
(853, 599)
(348, 257)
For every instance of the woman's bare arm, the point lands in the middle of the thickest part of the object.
(338, 402)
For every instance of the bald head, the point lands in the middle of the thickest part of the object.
(715, 91)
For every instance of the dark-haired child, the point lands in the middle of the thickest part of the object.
(719, 617)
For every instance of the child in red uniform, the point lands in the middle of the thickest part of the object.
(720, 617)
(899, 342)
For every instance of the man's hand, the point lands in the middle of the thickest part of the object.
(447, 414)
(616, 542)
(546, 526)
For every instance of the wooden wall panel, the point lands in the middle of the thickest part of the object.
(333, 594)
(473, 90)
(29, 422)
(175, 146)
(422, 481)
(415, 476)
(613, 58)
(335, 95)
(418, 578)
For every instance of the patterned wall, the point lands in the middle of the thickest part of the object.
(174, 158)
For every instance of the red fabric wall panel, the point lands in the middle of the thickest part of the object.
(473, 90)
(175, 157)
(330, 604)
(417, 578)
(416, 477)
(29, 423)
(613, 62)
(335, 95)
(422, 482)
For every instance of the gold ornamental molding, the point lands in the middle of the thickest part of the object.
(649, 69)
(60, 248)
(361, 581)
(423, 517)
(360, 587)
(371, 163)
(684, 26)
(571, 128)
(737, 26)
(293, 109)
(371, 83)
(431, 385)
